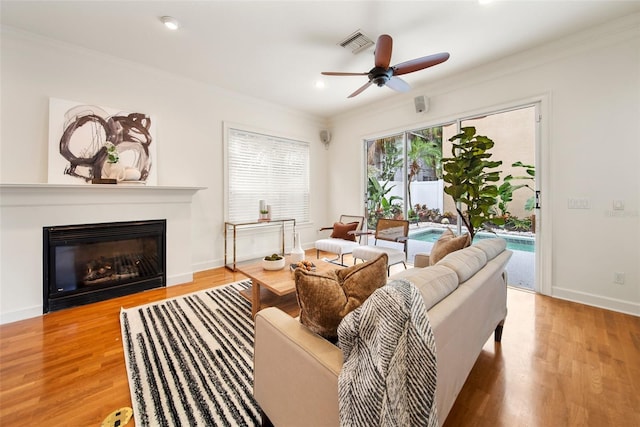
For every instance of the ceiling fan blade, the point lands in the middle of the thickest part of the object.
(384, 45)
(397, 84)
(419, 63)
(337, 73)
(359, 91)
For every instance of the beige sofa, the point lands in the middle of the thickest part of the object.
(296, 371)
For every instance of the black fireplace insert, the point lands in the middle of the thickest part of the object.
(93, 262)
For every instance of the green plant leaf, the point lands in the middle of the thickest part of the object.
(530, 204)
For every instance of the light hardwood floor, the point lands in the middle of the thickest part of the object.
(559, 364)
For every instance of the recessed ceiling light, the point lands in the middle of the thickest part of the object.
(320, 84)
(170, 23)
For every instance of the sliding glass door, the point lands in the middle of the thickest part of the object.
(404, 181)
(404, 176)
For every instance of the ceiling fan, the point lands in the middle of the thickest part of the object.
(383, 75)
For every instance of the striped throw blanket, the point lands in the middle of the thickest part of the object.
(389, 373)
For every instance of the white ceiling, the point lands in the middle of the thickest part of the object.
(275, 50)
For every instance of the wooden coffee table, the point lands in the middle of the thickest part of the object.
(271, 288)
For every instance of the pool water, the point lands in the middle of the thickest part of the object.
(514, 243)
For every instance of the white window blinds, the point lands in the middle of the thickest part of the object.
(263, 167)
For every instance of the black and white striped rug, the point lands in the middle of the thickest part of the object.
(190, 359)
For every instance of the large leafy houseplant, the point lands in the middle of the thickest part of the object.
(471, 177)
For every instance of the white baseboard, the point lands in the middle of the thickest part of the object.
(179, 279)
(206, 265)
(25, 313)
(597, 301)
(36, 311)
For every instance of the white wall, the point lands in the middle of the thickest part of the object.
(428, 193)
(589, 86)
(189, 117)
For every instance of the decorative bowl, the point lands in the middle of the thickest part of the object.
(306, 265)
(273, 265)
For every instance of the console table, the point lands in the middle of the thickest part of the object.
(233, 226)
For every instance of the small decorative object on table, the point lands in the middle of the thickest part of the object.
(265, 211)
(297, 253)
(112, 169)
(273, 262)
(306, 265)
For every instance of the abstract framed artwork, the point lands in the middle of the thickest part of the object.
(88, 142)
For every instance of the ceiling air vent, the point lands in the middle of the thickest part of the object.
(357, 42)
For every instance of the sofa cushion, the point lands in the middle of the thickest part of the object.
(465, 262)
(325, 298)
(341, 230)
(434, 283)
(491, 247)
(446, 244)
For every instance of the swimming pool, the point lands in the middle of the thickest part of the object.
(515, 243)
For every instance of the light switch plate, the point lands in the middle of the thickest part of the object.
(574, 203)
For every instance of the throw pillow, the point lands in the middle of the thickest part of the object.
(325, 298)
(446, 244)
(341, 230)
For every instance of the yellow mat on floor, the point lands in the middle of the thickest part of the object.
(118, 418)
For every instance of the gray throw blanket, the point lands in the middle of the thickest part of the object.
(389, 373)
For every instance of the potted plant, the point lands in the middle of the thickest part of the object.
(265, 211)
(273, 262)
(112, 153)
(112, 168)
(471, 177)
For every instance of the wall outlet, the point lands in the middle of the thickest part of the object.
(618, 205)
(618, 277)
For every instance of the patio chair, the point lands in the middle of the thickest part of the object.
(344, 238)
(390, 230)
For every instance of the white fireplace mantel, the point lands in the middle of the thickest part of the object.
(26, 208)
(96, 194)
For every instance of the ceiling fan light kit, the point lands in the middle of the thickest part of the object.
(384, 75)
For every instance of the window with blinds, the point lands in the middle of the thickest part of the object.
(270, 168)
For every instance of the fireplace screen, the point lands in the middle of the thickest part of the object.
(93, 262)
